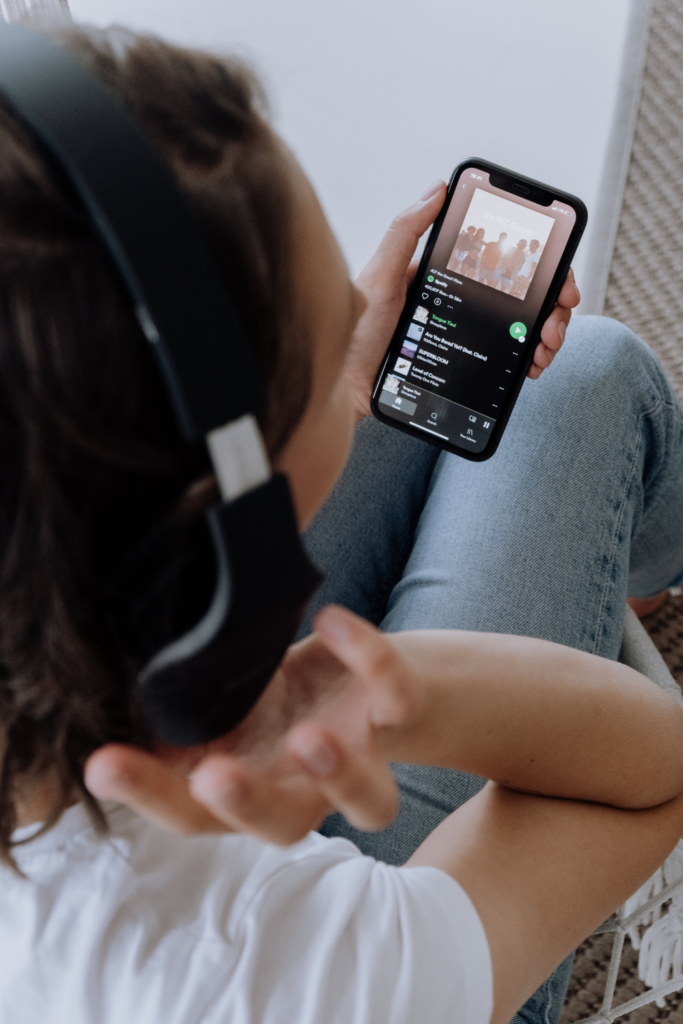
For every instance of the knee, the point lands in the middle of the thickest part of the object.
(604, 345)
(602, 356)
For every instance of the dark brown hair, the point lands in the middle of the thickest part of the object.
(102, 552)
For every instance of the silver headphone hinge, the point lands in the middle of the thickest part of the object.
(239, 457)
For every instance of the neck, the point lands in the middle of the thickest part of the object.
(36, 801)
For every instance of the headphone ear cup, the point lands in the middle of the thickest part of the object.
(203, 684)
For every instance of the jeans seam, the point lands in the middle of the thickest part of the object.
(548, 1000)
(677, 415)
(657, 404)
(617, 528)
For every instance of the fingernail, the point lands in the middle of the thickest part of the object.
(212, 788)
(334, 625)
(432, 190)
(319, 757)
(562, 329)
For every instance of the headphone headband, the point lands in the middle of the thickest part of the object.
(143, 219)
(202, 684)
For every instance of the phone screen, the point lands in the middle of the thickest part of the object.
(462, 347)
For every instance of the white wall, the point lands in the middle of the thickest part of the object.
(380, 97)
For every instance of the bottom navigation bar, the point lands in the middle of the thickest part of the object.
(460, 426)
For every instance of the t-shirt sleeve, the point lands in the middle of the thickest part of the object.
(338, 938)
(452, 934)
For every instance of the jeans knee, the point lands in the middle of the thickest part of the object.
(602, 356)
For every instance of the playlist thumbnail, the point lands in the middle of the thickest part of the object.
(500, 243)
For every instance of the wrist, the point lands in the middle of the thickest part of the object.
(410, 715)
(360, 396)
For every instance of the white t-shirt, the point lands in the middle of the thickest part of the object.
(146, 928)
(530, 260)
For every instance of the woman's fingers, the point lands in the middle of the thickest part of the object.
(279, 810)
(570, 296)
(383, 282)
(552, 338)
(555, 328)
(412, 269)
(333, 762)
(225, 795)
(282, 808)
(222, 796)
(543, 357)
(361, 786)
(144, 783)
(373, 660)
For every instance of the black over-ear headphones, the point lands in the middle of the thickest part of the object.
(203, 683)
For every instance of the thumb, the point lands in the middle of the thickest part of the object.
(397, 248)
(373, 660)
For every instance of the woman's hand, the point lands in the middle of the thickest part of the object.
(384, 283)
(525, 713)
(555, 327)
(312, 744)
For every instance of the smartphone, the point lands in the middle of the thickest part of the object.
(490, 275)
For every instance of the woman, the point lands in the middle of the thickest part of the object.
(148, 927)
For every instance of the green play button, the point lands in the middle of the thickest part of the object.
(518, 330)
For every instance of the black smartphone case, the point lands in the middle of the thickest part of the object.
(534, 336)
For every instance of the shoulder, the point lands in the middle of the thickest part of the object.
(316, 933)
(379, 944)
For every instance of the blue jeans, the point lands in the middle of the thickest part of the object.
(581, 505)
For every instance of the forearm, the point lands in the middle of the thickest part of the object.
(544, 873)
(541, 718)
